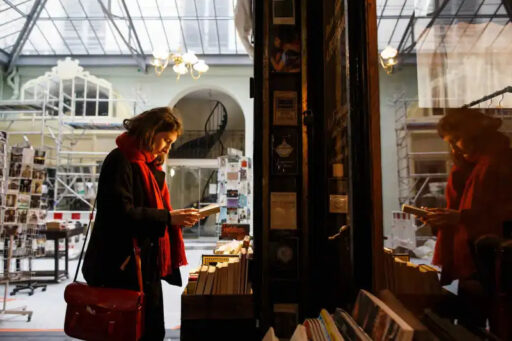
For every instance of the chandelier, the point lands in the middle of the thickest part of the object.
(183, 63)
(388, 59)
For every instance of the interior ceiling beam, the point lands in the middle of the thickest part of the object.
(14, 7)
(132, 28)
(448, 16)
(433, 19)
(126, 60)
(409, 32)
(4, 60)
(508, 7)
(136, 53)
(30, 22)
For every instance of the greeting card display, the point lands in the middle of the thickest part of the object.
(234, 181)
(23, 174)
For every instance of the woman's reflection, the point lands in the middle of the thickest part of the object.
(479, 201)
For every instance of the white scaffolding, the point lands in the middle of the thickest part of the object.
(410, 183)
(411, 120)
(64, 106)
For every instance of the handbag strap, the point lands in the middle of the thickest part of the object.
(136, 251)
(85, 241)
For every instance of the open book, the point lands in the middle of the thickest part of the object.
(209, 210)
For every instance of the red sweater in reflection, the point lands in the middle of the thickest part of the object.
(483, 193)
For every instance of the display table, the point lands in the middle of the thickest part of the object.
(56, 235)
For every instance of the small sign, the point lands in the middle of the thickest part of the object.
(338, 203)
(285, 108)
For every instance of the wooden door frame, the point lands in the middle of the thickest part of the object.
(367, 228)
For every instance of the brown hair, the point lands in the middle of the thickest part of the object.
(145, 126)
(467, 123)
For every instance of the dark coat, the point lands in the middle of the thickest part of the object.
(123, 211)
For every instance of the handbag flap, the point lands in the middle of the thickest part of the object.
(108, 298)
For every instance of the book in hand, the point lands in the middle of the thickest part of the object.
(419, 212)
(209, 210)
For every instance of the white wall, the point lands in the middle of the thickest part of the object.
(402, 81)
(166, 90)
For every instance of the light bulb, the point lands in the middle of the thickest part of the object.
(180, 69)
(389, 53)
(190, 58)
(201, 66)
(156, 62)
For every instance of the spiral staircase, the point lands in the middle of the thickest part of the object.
(214, 128)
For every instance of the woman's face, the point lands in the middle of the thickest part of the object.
(461, 146)
(163, 142)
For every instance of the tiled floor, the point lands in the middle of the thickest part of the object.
(49, 307)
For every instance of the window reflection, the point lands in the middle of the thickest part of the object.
(445, 130)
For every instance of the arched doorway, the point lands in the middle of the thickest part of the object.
(213, 122)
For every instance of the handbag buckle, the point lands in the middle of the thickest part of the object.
(90, 310)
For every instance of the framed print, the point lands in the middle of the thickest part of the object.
(283, 211)
(283, 12)
(285, 108)
(284, 152)
(284, 262)
(285, 50)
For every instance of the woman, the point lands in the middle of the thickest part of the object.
(479, 199)
(133, 201)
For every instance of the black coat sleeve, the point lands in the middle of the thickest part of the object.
(120, 200)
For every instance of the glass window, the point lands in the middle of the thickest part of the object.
(445, 108)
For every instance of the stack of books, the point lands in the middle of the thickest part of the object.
(376, 318)
(371, 319)
(221, 275)
(234, 247)
(405, 278)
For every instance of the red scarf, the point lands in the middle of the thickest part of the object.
(172, 248)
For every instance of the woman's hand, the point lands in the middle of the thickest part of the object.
(439, 217)
(186, 217)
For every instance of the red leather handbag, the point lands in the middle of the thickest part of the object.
(98, 313)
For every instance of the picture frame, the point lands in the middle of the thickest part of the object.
(283, 12)
(285, 151)
(285, 108)
(285, 50)
(283, 211)
(284, 258)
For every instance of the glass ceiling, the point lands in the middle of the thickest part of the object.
(453, 25)
(83, 27)
(206, 27)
